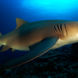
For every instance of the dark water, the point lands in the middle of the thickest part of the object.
(33, 10)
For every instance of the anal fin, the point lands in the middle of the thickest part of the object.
(4, 48)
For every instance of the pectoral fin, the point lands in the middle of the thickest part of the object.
(35, 51)
(5, 48)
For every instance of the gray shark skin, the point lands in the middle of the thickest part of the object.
(38, 38)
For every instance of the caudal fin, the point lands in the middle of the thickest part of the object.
(0, 41)
(4, 48)
(0, 34)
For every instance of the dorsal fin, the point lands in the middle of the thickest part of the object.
(19, 22)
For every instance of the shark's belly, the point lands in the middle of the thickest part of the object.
(20, 43)
(65, 41)
(58, 44)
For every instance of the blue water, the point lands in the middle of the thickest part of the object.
(33, 10)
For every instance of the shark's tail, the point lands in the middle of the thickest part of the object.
(0, 34)
(4, 47)
(0, 37)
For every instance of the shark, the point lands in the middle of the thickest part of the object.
(37, 38)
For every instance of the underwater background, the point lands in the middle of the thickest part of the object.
(59, 63)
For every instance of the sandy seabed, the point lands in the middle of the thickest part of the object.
(59, 63)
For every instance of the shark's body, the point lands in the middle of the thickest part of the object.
(43, 34)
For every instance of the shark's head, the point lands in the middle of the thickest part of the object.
(72, 33)
(70, 37)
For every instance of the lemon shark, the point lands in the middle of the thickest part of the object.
(38, 38)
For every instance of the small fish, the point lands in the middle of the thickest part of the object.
(38, 38)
